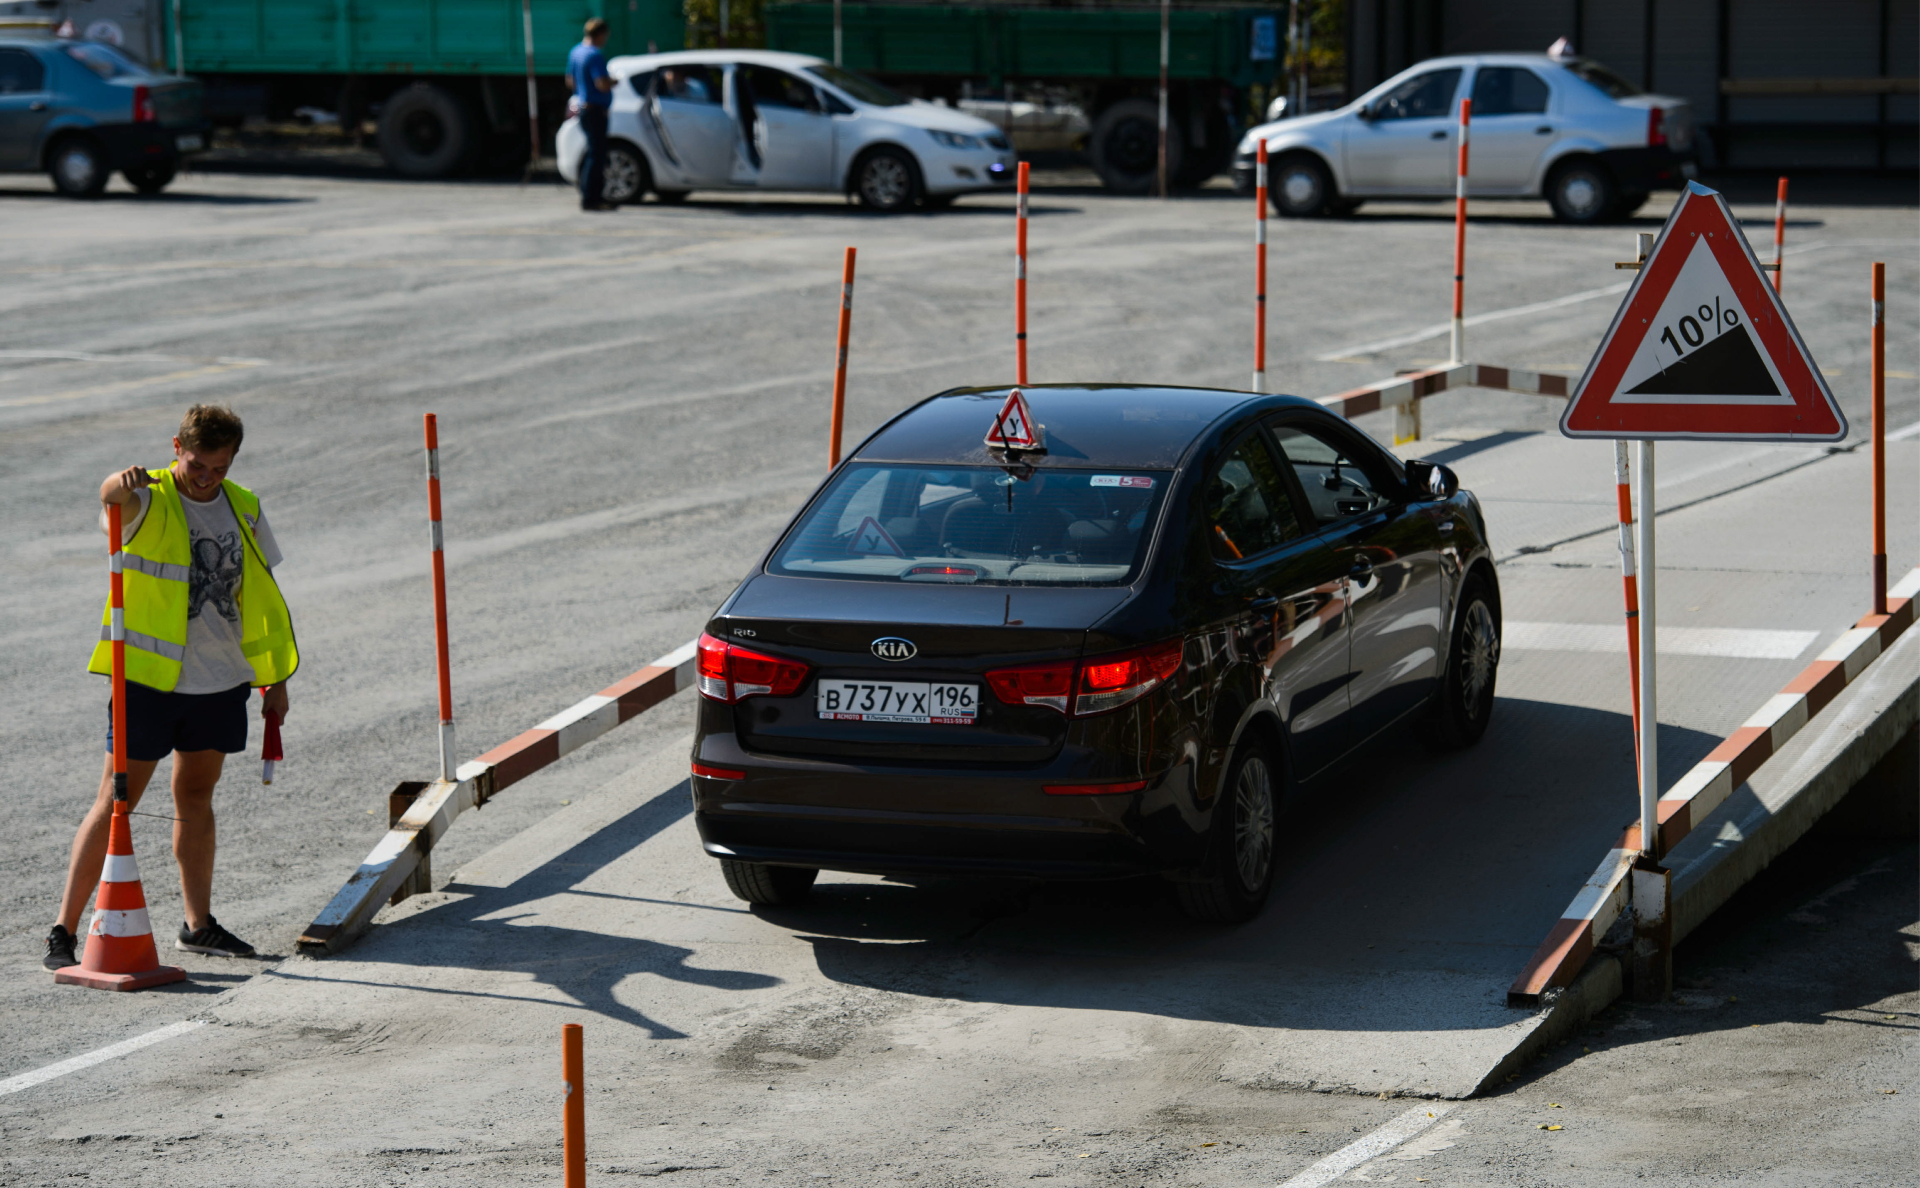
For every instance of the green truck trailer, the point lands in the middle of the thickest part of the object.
(1065, 76)
(445, 81)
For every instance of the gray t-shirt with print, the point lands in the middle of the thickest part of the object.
(215, 661)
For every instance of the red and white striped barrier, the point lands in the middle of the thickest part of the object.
(399, 852)
(1404, 390)
(1570, 943)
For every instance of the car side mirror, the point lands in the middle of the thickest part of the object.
(1367, 113)
(1431, 481)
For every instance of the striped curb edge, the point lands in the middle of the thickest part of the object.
(1418, 385)
(352, 908)
(1572, 941)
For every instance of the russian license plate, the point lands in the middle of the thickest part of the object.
(898, 701)
(190, 143)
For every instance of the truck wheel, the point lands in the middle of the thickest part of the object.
(756, 882)
(886, 180)
(1302, 188)
(1582, 191)
(425, 132)
(150, 179)
(1125, 146)
(1242, 844)
(78, 167)
(628, 177)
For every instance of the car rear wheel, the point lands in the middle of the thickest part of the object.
(756, 882)
(1239, 876)
(1464, 705)
(150, 179)
(887, 181)
(1582, 192)
(627, 174)
(78, 167)
(1302, 188)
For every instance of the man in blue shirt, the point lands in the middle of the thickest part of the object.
(593, 89)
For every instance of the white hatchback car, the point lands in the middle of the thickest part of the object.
(1566, 129)
(758, 120)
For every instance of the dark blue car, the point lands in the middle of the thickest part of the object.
(79, 110)
(1122, 651)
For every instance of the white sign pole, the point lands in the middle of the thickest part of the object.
(1649, 708)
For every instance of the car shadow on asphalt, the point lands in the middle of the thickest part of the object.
(119, 198)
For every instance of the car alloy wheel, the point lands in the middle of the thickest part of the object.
(886, 182)
(1463, 706)
(1480, 657)
(1253, 825)
(622, 177)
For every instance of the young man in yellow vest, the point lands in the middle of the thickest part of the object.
(205, 625)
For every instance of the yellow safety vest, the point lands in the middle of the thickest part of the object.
(155, 568)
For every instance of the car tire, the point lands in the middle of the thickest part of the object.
(1125, 147)
(1302, 188)
(149, 179)
(671, 197)
(628, 177)
(78, 167)
(1235, 883)
(757, 882)
(887, 180)
(425, 132)
(1463, 705)
(1582, 192)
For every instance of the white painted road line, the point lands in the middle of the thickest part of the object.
(1376, 1144)
(1912, 430)
(1727, 642)
(41, 1076)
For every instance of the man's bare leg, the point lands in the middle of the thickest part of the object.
(89, 851)
(194, 775)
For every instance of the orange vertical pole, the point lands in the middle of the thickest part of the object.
(573, 1113)
(117, 633)
(1020, 282)
(1260, 269)
(1629, 579)
(840, 362)
(1460, 238)
(1879, 438)
(439, 598)
(1779, 229)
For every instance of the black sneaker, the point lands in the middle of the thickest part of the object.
(60, 945)
(213, 940)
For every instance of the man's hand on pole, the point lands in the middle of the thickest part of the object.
(119, 488)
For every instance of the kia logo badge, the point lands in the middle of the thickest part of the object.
(893, 648)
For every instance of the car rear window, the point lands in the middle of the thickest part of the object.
(859, 86)
(103, 60)
(976, 525)
(1593, 72)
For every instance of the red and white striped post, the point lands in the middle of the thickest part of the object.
(573, 1107)
(1779, 229)
(840, 361)
(1260, 269)
(1630, 581)
(447, 762)
(1020, 280)
(1879, 349)
(1460, 238)
(117, 634)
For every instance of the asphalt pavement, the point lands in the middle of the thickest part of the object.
(630, 406)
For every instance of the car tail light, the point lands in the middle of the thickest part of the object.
(730, 673)
(1048, 684)
(717, 773)
(1092, 789)
(143, 106)
(1108, 682)
(1656, 127)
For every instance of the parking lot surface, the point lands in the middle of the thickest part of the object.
(630, 406)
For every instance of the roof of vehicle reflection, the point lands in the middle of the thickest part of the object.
(1086, 425)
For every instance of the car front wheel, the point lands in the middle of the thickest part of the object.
(78, 168)
(1234, 885)
(1464, 704)
(1582, 192)
(1302, 188)
(887, 181)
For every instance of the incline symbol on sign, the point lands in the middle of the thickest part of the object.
(1702, 347)
(1013, 426)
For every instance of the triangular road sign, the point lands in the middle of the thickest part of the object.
(870, 538)
(1702, 347)
(1013, 426)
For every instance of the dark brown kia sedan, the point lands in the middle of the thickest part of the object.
(1122, 650)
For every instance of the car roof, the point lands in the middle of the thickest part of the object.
(634, 63)
(1086, 425)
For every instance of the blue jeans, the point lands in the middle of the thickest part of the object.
(593, 167)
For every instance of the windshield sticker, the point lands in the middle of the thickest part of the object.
(871, 539)
(1121, 480)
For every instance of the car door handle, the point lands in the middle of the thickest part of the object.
(1440, 135)
(1544, 130)
(37, 105)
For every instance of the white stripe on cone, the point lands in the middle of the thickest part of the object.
(133, 923)
(120, 868)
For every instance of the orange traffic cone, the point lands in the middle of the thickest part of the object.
(120, 953)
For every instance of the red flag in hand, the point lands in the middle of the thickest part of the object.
(270, 747)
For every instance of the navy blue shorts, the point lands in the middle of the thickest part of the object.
(161, 722)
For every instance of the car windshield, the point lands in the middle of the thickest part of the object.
(103, 60)
(976, 525)
(859, 86)
(1593, 72)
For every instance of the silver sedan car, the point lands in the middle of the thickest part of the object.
(759, 120)
(1562, 128)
